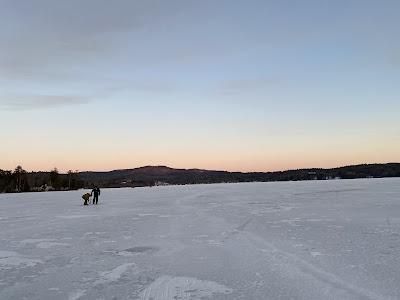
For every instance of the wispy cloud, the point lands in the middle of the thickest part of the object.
(49, 36)
(32, 102)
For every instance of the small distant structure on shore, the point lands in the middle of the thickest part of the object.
(161, 183)
(43, 188)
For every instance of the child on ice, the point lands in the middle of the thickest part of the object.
(86, 198)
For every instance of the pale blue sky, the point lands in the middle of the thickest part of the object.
(237, 85)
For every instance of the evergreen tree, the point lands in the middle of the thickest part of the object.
(54, 178)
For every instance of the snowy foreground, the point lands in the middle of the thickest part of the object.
(293, 240)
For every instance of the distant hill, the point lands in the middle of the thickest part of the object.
(159, 175)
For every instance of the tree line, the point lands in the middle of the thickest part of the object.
(19, 180)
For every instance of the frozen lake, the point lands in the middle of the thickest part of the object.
(290, 240)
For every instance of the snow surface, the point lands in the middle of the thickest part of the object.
(290, 240)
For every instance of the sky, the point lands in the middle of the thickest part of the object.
(229, 85)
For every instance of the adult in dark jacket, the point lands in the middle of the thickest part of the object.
(96, 194)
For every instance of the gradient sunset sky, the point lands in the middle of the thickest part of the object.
(234, 85)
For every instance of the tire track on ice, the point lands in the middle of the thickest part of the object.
(290, 261)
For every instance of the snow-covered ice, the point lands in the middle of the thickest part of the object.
(291, 240)
(168, 287)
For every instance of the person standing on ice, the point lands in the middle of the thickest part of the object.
(96, 194)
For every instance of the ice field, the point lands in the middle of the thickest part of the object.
(290, 240)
